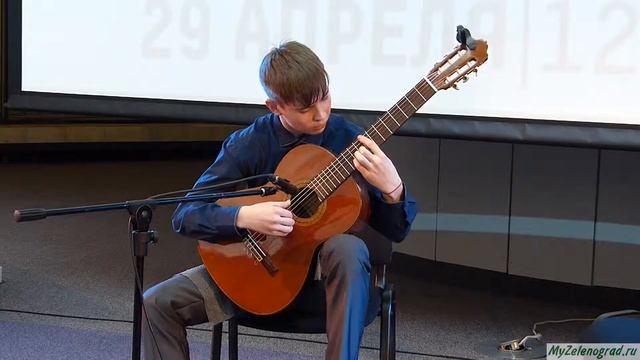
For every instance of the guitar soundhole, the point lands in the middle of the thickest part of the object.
(306, 203)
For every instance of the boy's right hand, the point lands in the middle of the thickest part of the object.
(269, 218)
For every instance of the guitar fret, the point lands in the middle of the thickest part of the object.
(342, 176)
(341, 164)
(345, 169)
(321, 182)
(334, 185)
(317, 191)
(324, 193)
(385, 125)
(326, 183)
(313, 185)
(376, 130)
(332, 170)
(418, 91)
(338, 177)
(323, 190)
(355, 149)
(394, 119)
(368, 136)
(405, 115)
(414, 107)
(430, 84)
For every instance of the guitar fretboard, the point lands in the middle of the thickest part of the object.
(328, 180)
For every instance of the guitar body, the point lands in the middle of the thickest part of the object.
(246, 281)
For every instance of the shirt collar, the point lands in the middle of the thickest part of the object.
(287, 139)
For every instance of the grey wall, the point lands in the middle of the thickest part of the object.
(417, 163)
(617, 235)
(548, 212)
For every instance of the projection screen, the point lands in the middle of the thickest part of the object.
(554, 63)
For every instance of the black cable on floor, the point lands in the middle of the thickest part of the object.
(239, 333)
(64, 316)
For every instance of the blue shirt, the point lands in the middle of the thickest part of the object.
(258, 149)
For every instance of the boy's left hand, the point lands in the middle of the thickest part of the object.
(378, 169)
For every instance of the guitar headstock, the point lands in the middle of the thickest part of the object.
(460, 63)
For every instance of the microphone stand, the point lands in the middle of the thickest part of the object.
(140, 215)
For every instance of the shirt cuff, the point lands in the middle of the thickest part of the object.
(400, 209)
(402, 196)
(236, 211)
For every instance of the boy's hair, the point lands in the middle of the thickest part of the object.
(293, 74)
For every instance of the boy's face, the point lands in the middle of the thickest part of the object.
(297, 120)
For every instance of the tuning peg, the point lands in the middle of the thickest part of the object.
(455, 86)
(475, 71)
(464, 79)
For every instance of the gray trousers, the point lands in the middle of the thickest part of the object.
(178, 302)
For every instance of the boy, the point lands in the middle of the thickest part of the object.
(298, 97)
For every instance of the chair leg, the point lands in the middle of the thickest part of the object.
(216, 341)
(388, 325)
(233, 339)
(392, 323)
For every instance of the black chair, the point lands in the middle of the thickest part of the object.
(311, 318)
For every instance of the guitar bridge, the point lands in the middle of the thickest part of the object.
(268, 264)
(254, 250)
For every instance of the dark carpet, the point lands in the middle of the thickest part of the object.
(36, 341)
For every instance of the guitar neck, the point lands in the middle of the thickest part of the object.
(340, 169)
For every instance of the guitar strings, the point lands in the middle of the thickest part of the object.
(300, 198)
(430, 81)
(342, 159)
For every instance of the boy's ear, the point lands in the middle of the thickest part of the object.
(272, 105)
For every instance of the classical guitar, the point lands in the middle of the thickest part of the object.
(263, 274)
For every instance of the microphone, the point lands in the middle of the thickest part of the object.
(284, 185)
